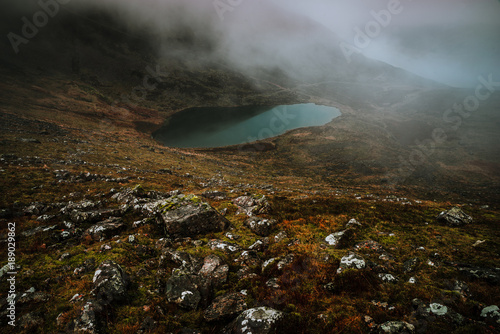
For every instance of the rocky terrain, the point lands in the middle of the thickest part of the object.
(320, 230)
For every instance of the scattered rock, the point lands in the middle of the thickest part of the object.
(287, 260)
(110, 283)
(491, 275)
(225, 306)
(226, 247)
(396, 327)
(64, 256)
(88, 266)
(261, 226)
(491, 313)
(351, 261)
(37, 230)
(478, 242)
(383, 305)
(353, 223)
(280, 236)
(461, 287)
(35, 209)
(88, 319)
(105, 229)
(260, 320)
(183, 290)
(268, 262)
(438, 309)
(232, 236)
(32, 297)
(337, 239)
(45, 218)
(389, 278)
(189, 217)
(214, 271)
(260, 245)
(189, 264)
(454, 217)
(427, 313)
(215, 195)
(250, 206)
(273, 283)
(248, 259)
(411, 264)
(369, 322)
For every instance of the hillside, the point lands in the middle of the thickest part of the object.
(321, 230)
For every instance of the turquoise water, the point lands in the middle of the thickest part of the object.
(216, 127)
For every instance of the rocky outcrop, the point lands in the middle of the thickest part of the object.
(454, 217)
(193, 282)
(187, 216)
(110, 283)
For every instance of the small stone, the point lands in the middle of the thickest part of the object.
(411, 264)
(388, 278)
(261, 226)
(351, 261)
(396, 327)
(491, 312)
(438, 309)
(478, 242)
(334, 238)
(280, 236)
(273, 283)
(287, 260)
(259, 320)
(353, 223)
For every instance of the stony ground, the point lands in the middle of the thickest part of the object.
(116, 234)
(304, 233)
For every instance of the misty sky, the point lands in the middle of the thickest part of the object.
(450, 41)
